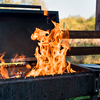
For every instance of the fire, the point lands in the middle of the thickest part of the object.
(3, 70)
(45, 12)
(18, 58)
(51, 52)
(28, 66)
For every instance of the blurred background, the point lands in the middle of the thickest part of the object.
(75, 15)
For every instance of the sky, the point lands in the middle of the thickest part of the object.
(66, 8)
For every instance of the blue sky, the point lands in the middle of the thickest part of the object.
(84, 8)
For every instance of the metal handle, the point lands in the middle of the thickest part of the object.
(20, 6)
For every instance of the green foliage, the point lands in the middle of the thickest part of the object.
(78, 23)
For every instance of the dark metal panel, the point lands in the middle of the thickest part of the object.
(52, 14)
(16, 27)
(20, 6)
(84, 34)
(47, 88)
(83, 51)
(8, 15)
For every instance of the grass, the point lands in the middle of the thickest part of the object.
(83, 97)
(77, 98)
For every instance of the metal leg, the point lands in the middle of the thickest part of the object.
(94, 96)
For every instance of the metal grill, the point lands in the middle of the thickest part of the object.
(16, 26)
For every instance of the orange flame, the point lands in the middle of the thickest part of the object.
(45, 12)
(52, 52)
(3, 66)
(18, 58)
(28, 66)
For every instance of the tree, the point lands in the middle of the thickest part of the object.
(78, 23)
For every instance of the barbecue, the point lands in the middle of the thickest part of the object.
(16, 28)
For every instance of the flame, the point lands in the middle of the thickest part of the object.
(3, 66)
(69, 69)
(28, 66)
(45, 12)
(18, 58)
(51, 52)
